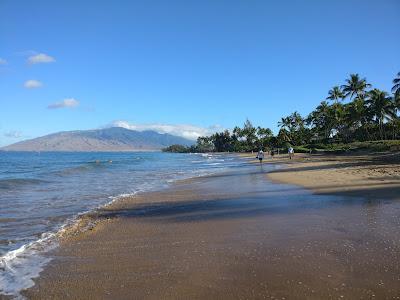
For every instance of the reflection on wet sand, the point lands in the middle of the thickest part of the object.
(233, 235)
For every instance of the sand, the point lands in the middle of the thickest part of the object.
(366, 175)
(241, 236)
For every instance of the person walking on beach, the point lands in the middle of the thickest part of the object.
(291, 152)
(260, 156)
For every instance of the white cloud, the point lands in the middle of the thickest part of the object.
(184, 130)
(32, 84)
(3, 61)
(13, 134)
(40, 58)
(66, 103)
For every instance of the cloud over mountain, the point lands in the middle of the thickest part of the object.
(183, 130)
(13, 134)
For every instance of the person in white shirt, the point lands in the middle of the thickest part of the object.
(260, 156)
(291, 152)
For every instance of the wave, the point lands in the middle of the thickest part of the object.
(19, 267)
(91, 165)
(10, 183)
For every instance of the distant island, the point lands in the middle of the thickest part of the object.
(108, 139)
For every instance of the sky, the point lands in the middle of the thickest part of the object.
(184, 67)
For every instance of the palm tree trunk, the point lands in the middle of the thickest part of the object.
(368, 135)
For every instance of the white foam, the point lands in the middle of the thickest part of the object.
(19, 267)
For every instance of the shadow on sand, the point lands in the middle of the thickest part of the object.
(284, 201)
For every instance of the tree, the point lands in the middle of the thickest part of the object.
(296, 121)
(235, 138)
(396, 104)
(358, 117)
(294, 128)
(369, 115)
(335, 94)
(176, 149)
(297, 129)
(337, 113)
(396, 86)
(237, 131)
(322, 121)
(222, 141)
(284, 123)
(282, 138)
(264, 136)
(205, 144)
(355, 86)
(249, 133)
(381, 107)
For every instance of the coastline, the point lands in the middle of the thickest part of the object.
(232, 235)
(20, 265)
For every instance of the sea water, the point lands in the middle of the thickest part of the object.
(41, 193)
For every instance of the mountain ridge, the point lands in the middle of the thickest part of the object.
(107, 139)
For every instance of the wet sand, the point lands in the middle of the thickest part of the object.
(232, 236)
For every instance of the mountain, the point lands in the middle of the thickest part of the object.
(109, 139)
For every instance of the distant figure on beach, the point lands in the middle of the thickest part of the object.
(272, 153)
(260, 156)
(291, 152)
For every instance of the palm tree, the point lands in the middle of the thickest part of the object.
(335, 94)
(395, 122)
(358, 116)
(321, 119)
(396, 86)
(296, 120)
(381, 106)
(285, 123)
(396, 100)
(355, 86)
(283, 137)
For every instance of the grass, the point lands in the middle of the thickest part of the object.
(373, 146)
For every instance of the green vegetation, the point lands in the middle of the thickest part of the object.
(176, 149)
(353, 116)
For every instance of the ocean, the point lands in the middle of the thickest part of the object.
(42, 193)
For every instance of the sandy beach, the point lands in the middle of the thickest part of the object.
(316, 227)
(366, 175)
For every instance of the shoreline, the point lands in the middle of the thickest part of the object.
(229, 235)
(32, 258)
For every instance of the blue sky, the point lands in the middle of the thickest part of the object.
(190, 65)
